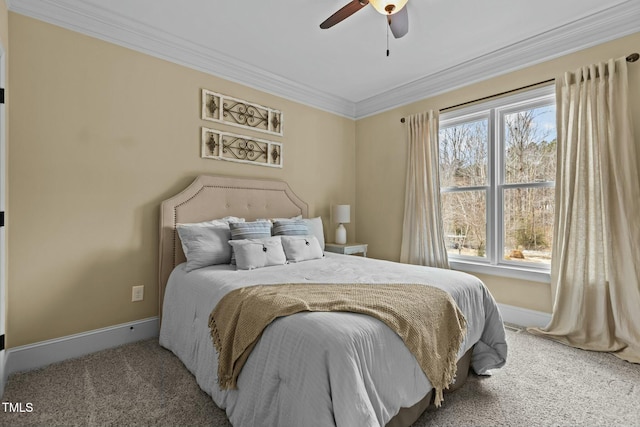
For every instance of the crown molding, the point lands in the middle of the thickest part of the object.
(94, 21)
(610, 24)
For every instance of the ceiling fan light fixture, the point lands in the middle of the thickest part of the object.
(387, 7)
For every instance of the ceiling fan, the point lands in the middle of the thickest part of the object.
(396, 12)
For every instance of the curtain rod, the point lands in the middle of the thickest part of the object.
(631, 58)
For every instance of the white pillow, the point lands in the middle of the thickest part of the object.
(205, 244)
(285, 219)
(315, 228)
(249, 230)
(301, 248)
(258, 253)
(220, 221)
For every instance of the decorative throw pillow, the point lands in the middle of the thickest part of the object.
(301, 248)
(249, 230)
(205, 244)
(316, 228)
(258, 253)
(290, 227)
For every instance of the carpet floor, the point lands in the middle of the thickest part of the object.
(543, 384)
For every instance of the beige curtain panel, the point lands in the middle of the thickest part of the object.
(595, 270)
(423, 240)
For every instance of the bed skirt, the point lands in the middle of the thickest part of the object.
(407, 416)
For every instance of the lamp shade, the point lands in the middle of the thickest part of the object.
(341, 214)
(388, 7)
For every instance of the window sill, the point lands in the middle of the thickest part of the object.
(531, 274)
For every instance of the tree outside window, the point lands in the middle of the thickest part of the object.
(497, 173)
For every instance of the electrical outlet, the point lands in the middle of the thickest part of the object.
(137, 293)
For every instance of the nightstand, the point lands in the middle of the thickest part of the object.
(348, 249)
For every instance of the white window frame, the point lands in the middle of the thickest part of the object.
(494, 110)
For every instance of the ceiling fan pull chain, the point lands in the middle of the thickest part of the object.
(389, 24)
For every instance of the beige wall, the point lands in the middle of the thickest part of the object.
(381, 159)
(100, 135)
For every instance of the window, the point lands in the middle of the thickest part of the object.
(497, 173)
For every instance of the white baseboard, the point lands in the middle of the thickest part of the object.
(523, 316)
(33, 356)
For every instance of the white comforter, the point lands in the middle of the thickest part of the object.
(321, 369)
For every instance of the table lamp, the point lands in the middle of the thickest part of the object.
(341, 215)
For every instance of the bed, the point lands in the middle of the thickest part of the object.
(310, 368)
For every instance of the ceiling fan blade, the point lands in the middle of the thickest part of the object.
(348, 10)
(399, 23)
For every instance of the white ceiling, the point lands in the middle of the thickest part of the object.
(277, 45)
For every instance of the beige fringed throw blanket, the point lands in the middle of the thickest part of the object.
(426, 318)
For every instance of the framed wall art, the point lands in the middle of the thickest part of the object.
(221, 108)
(227, 146)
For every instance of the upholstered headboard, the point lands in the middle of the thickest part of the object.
(210, 197)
